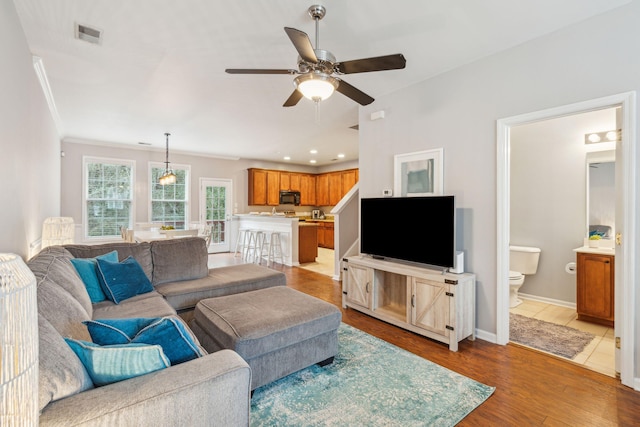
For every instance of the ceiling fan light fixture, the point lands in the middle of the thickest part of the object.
(316, 86)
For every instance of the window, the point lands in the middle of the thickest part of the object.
(170, 203)
(108, 196)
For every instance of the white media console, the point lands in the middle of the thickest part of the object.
(428, 302)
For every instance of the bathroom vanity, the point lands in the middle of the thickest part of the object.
(595, 285)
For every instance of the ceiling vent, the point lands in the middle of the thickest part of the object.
(88, 34)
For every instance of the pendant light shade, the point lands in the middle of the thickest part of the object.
(168, 177)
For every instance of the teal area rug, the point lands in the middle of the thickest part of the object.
(370, 383)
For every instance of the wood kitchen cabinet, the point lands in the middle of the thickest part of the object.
(335, 188)
(307, 243)
(322, 190)
(307, 190)
(325, 189)
(264, 187)
(595, 288)
(325, 235)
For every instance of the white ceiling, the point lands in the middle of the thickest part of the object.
(160, 66)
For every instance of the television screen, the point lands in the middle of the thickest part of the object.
(414, 229)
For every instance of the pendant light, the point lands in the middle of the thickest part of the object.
(168, 177)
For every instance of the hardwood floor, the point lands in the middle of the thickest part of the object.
(532, 389)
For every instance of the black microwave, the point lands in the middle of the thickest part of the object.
(290, 198)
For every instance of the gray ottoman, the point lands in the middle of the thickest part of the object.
(277, 331)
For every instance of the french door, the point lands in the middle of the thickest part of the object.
(215, 211)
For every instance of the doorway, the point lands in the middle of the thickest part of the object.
(215, 211)
(625, 250)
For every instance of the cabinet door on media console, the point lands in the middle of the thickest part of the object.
(359, 283)
(430, 302)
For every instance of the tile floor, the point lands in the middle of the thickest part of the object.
(323, 264)
(598, 355)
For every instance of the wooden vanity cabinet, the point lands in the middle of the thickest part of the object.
(595, 288)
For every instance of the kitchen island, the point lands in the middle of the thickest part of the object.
(287, 226)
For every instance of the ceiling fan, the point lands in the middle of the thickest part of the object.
(317, 68)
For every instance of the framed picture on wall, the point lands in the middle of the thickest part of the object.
(418, 174)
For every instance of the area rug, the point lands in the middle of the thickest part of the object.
(370, 383)
(550, 337)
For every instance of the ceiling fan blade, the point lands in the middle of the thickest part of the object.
(258, 71)
(379, 63)
(356, 94)
(302, 44)
(293, 99)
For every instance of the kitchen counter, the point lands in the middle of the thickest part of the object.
(285, 225)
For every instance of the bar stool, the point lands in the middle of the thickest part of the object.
(273, 247)
(241, 242)
(253, 250)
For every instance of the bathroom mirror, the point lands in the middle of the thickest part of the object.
(601, 193)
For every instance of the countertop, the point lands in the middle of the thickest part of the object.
(599, 251)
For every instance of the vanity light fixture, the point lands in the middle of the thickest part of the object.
(168, 177)
(606, 136)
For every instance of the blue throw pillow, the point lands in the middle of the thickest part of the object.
(87, 269)
(177, 342)
(113, 363)
(122, 280)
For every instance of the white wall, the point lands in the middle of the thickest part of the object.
(458, 111)
(30, 147)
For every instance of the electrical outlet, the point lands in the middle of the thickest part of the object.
(387, 193)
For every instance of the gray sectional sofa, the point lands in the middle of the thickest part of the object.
(210, 390)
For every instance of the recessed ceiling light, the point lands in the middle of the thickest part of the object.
(340, 156)
(287, 157)
(314, 151)
(312, 161)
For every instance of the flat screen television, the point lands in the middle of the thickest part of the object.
(413, 229)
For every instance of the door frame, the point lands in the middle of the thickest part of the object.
(226, 247)
(625, 285)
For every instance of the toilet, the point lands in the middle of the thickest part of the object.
(523, 261)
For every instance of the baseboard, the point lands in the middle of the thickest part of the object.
(547, 300)
(486, 336)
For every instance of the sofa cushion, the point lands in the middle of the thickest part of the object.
(140, 251)
(87, 270)
(122, 280)
(146, 305)
(179, 259)
(54, 263)
(60, 372)
(220, 281)
(62, 310)
(170, 333)
(112, 363)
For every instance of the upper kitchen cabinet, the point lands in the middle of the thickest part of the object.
(264, 187)
(307, 189)
(323, 189)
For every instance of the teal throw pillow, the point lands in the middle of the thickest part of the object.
(112, 363)
(170, 333)
(122, 280)
(87, 269)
